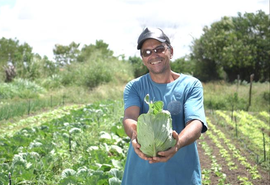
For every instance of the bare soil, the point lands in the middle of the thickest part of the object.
(231, 174)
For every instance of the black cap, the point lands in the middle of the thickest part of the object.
(152, 33)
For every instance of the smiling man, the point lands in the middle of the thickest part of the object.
(183, 98)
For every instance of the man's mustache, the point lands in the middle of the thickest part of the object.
(155, 59)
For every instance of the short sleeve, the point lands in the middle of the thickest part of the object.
(194, 108)
(131, 96)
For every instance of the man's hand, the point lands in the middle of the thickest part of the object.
(190, 134)
(130, 126)
(164, 156)
(137, 147)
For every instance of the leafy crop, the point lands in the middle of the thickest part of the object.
(88, 145)
(85, 146)
(154, 129)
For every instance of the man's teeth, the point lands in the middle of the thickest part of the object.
(155, 62)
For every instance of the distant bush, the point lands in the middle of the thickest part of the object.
(266, 96)
(139, 68)
(70, 74)
(225, 102)
(20, 88)
(183, 65)
(235, 102)
(51, 82)
(90, 74)
(97, 74)
(220, 95)
(5, 91)
(215, 103)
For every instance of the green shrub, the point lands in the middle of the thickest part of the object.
(22, 107)
(235, 102)
(266, 96)
(52, 82)
(215, 103)
(22, 88)
(221, 95)
(96, 75)
(139, 68)
(70, 74)
(5, 91)
(89, 74)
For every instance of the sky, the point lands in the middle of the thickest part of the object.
(44, 23)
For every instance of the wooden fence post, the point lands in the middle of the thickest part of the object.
(9, 178)
(29, 106)
(250, 90)
(238, 79)
(264, 151)
(51, 101)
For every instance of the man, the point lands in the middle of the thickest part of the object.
(183, 98)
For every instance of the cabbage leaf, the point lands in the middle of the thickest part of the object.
(154, 129)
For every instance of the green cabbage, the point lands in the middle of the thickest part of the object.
(154, 129)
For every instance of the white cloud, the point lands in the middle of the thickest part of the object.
(42, 24)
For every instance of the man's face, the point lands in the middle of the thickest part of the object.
(156, 56)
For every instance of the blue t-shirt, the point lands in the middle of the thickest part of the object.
(184, 99)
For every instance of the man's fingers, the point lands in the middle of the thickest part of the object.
(175, 135)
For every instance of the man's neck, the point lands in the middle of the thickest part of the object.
(164, 77)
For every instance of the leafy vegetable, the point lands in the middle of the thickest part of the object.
(154, 129)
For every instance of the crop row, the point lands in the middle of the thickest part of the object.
(86, 146)
(215, 167)
(265, 115)
(8, 128)
(252, 121)
(222, 143)
(234, 151)
(252, 131)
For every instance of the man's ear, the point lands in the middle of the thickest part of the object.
(171, 49)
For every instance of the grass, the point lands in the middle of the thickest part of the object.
(217, 95)
(91, 81)
(17, 108)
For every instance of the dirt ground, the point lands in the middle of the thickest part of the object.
(231, 174)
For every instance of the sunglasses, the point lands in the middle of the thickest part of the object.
(148, 52)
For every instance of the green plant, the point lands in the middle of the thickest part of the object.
(138, 66)
(266, 96)
(51, 82)
(26, 107)
(220, 95)
(82, 146)
(154, 129)
(96, 74)
(235, 102)
(22, 88)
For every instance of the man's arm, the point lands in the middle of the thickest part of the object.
(189, 134)
(130, 125)
(130, 120)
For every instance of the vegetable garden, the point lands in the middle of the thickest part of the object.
(87, 145)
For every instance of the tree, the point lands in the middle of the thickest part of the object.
(138, 66)
(236, 45)
(49, 67)
(88, 50)
(66, 54)
(183, 65)
(11, 50)
(206, 68)
(13, 53)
